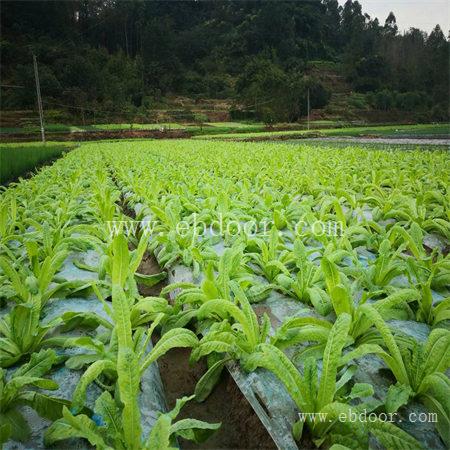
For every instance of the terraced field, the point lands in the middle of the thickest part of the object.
(317, 277)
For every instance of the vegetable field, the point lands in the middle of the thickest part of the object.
(317, 277)
(17, 159)
(430, 130)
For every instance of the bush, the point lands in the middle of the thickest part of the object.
(357, 101)
(405, 101)
(242, 114)
(440, 112)
(384, 100)
(410, 101)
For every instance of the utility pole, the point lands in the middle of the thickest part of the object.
(39, 99)
(308, 108)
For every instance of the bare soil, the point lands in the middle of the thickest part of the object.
(150, 266)
(241, 427)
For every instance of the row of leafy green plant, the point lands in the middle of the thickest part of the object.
(387, 262)
(58, 214)
(377, 130)
(17, 160)
(353, 284)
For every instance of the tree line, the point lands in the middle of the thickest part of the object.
(129, 55)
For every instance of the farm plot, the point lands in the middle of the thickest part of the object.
(318, 278)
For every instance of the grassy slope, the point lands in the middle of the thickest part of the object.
(18, 159)
(386, 130)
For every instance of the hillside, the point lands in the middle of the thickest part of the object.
(162, 61)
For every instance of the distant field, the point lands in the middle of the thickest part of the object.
(384, 130)
(205, 128)
(61, 128)
(248, 130)
(18, 159)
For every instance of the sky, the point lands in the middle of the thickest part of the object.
(423, 14)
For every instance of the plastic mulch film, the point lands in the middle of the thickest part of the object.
(265, 393)
(151, 398)
(268, 396)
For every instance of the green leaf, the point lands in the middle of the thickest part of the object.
(122, 319)
(159, 438)
(153, 305)
(320, 300)
(48, 407)
(361, 390)
(339, 447)
(392, 437)
(273, 359)
(138, 253)
(341, 300)
(121, 260)
(179, 320)
(359, 352)
(77, 362)
(397, 396)
(437, 352)
(39, 364)
(219, 342)
(177, 337)
(331, 273)
(149, 280)
(209, 380)
(92, 372)
(435, 395)
(74, 427)
(13, 275)
(89, 320)
(194, 430)
(128, 382)
(394, 359)
(17, 425)
(16, 383)
(24, 325)
(180, 402)
(223, 309)
(331, 356)
(106, 407)
(346, 376)
(5, 432)
(297, 430)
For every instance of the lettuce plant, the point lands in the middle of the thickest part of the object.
(121, 415)
(268, 260)
(26, 285)
(419, 370)
(22, 333)
(105, 431)
(323, 394)
(19, 389)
